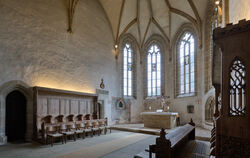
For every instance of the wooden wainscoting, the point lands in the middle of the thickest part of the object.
(56, 102)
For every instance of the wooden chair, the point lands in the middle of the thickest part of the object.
(60, 119)
(70, 118)
(52, 132)
(88, 128)
(72, 127)
(66, 132)
(95, 127)
(47, 119)
(79, 118)
(106, 125)
(102, 126)
(81, 127)
(88, 117)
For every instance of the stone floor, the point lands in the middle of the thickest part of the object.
(200, 133)
(118, 144)
(36, 150)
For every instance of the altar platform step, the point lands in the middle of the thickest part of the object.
(200, 133)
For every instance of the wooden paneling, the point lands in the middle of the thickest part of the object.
(42, 106)
(82, 107)
(59, 102)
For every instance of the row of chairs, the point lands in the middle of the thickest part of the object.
(73, 129)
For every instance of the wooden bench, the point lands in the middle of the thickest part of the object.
(166, 145)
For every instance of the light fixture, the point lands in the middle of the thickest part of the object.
(116, 51)
(217, 2)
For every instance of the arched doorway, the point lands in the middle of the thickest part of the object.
(15, 116)
(100, 109)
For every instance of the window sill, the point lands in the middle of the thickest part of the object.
(186, 95)
(153, 97)
(129, 97)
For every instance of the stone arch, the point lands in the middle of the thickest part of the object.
(26, 90)
(209, 109)
(128, 37)
(187, 27)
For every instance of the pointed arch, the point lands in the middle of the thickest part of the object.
(185, 61)
(155, 47)
(128, 47)
(26, 90)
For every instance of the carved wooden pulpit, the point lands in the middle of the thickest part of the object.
(231, 79)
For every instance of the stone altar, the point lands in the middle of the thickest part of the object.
(160, 119)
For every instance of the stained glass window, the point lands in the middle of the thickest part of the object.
(127, 70)
(154, 71)
(186, 65)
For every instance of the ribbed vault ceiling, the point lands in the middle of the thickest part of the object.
(142, 18)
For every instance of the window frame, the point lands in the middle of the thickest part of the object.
(178, 93)
(132, 71)
(161, 70)
(128, 38)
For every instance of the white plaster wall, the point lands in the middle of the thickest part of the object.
(35, 47)
(238, 10)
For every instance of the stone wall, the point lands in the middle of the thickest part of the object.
(36, 48)
(178, 104)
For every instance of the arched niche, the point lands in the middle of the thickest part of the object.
(209, 109)
(7, 88)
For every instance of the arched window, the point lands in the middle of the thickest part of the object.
(127, 70)
(154, 71)
(186, 65)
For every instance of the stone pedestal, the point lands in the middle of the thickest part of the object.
(165, 120)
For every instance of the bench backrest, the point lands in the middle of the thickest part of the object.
(178, 134)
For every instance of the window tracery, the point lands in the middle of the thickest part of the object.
(154, 71)
(237, 88)
(127, 70)
(186, 65)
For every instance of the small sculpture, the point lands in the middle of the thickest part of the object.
(102, 86)
(162, 102)
(165, 103)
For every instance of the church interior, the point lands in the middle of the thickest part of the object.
(125, 78)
